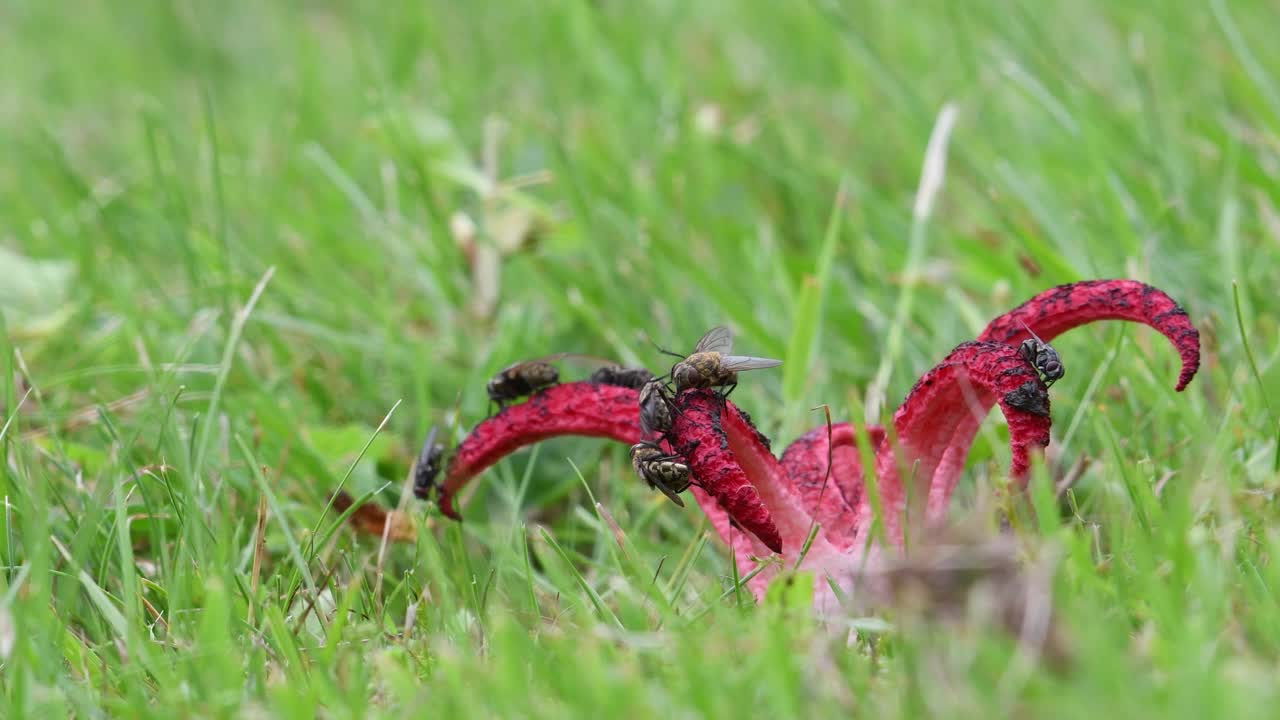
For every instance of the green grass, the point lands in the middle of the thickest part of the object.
(166, 165)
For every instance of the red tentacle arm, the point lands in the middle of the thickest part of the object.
(732, 462)
(1064, 307)
(964, 386)
(609, 411)
(1052, 313)
(575, 408)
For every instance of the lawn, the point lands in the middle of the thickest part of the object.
(250, 252)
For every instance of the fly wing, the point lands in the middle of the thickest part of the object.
(524, 363)
(428, 447)
(738, 363)
(671, 494)
(644, 427)
(718, 339)
(428, 465)
(1032, 333)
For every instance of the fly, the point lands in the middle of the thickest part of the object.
(656, 405)
(628, 377)
(528, 377)
(428, 466)
(711, 365)
(667, 473)
(1042, 357)
(523, 378)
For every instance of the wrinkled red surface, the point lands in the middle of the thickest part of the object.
(833, 500)
(1064, 307)
(700, 433)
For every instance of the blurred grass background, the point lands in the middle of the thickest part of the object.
(433, 191)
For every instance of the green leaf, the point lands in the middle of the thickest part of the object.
(339, 446)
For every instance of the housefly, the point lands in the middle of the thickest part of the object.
(529, 376)
(711, 365)
(523, 378)
(656, 405)
(428, 466)
(629, 377)
(1042, 357)
(667, 473)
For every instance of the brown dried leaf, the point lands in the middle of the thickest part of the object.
(372, 519)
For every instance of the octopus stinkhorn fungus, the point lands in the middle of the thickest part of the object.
(761, 504)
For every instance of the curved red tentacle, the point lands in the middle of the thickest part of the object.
(734, 469)
(1064, 307)
(608, 411)
(973, 377)
(1052, 313)
(574, 408)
